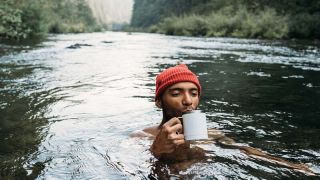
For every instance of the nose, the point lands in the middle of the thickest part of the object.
(187, 99)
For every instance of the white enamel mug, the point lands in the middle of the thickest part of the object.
(195, 125)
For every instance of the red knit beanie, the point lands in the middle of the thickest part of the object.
(173, 75)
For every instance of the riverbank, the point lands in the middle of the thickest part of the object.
(266, 24)
(239, 18)
(224, 23)
(25, 19)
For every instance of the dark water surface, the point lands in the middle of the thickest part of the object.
(68, 105)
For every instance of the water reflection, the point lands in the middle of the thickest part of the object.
(66, 113)
(23, 109)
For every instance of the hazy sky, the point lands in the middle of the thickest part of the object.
(109, 11)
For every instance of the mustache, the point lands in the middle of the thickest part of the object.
(175, 113)
(170, 113)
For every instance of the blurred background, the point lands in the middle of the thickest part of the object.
(232, 18)
(77, 77)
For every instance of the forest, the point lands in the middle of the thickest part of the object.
(21, 19)
(267, 19)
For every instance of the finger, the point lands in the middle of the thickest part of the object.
(180, 136)
(174, 136)
(179, 142)
(169, 146)
(175, 128)
(172, 122)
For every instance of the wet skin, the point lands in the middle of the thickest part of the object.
(176, 100)
(169, 143)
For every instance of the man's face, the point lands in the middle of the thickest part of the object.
(178, 99)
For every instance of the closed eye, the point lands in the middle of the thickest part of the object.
(194, 93)
(175, 94)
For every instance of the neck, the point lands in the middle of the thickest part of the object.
(165, 118)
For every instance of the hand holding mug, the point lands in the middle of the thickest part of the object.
(195, 125)
(168, 139)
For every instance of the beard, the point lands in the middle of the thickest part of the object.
(168, 113)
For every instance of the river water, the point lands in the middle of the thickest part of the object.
(69, 103)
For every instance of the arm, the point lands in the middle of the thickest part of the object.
(258, 154)
(226, 142)
(142, 133)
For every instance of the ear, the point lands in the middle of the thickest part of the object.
(158, 103)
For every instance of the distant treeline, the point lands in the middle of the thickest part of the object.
(25, 18)
(236, 18)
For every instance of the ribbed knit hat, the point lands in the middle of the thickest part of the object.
(173, 75)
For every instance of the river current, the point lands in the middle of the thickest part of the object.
(68, 105)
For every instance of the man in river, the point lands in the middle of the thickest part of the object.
(178, 91)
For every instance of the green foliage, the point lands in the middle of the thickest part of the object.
(25, 18)
(70, 17)
(227, 22)
(11, 24)
(192, 25)
(33, 18)
(305, 25)
(236, 18)
(147, 12)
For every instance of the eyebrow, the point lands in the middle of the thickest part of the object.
(182, 89)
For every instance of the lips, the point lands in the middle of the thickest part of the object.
(187, 110)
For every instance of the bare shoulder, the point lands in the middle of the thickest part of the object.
(150, 132)
(153, 130)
